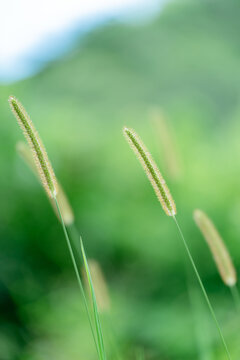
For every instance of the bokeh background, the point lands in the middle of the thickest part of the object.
(173, 74)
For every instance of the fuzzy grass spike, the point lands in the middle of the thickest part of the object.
(219, 251)
(45, 171)
(169, 207)
(151, 169)
(65, 207)
(42, 162)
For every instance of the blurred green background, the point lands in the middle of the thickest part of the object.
(186, 63)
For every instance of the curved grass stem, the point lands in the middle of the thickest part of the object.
(77, 274)
(202, 288)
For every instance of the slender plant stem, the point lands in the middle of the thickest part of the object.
(77, 273)
(203, 288)
(201, 331)
(74, 236)
(94, 303)
(235, 295)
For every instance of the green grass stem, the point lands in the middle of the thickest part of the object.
(77, 274)
(203, 288)
(95, 308)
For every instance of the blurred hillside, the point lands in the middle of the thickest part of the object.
(186, 62)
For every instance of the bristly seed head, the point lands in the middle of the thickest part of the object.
(152, 171)
(64, 205)
(39, 153)
(219, 251)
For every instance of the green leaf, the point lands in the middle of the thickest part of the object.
(95, 308)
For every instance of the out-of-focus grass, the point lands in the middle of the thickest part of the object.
(186, 62)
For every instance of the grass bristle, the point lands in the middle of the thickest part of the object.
(65, 207)
(42, 162)
(218, 248)
(152, 171)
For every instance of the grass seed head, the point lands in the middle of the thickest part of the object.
(217, 247)
(64, 205)
(42, 162)
(151, 169)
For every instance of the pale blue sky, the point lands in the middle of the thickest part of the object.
(34, 32)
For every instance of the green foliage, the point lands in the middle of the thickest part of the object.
(185, 61)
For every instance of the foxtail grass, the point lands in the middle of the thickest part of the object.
(169, 207)
(219, 252)
(64, 204)
(40, 156)
(151, 169)
(45, 171)
(218, 248)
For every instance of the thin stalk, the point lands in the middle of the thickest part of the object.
(203, 288)
(77, 274)
(236, 297)
(74, 236)
(202, 334)
(95, 308)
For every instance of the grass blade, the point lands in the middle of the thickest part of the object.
(77, 273)
(203, 288)
(95, 308)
